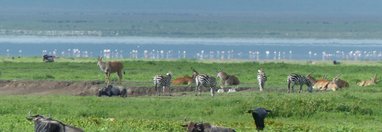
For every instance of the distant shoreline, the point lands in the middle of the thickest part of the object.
(179, 40)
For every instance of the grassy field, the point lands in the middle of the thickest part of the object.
(352, 109)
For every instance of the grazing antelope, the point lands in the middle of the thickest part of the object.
(205, 81)
(372, 81)
(337, 83)
(163, 82)
(227, 80)
(299, 80)
(321, 84)
(183, 80)
(261, 78)
(111, 67)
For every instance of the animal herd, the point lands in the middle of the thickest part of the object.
(162, 83)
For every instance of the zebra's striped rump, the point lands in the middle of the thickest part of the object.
(261, 78)
(296, 79)
(164, 82)
(205, 81)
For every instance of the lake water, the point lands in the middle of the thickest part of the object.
(194, 48)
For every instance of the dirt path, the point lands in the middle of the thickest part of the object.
(82, 88)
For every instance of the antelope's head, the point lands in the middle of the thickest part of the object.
(374, 78)
(222, 75)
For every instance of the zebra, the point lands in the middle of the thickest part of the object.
(162, 81)
(261, 78)
(205, 81)
(299, 80)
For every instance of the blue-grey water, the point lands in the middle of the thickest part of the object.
(194, 48)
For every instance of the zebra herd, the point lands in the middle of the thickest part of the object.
(162, 83)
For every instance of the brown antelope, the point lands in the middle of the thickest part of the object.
(372, 81)
(321, 84)
(227, 80)
(183, 80)
(337, 83)
(111, 67)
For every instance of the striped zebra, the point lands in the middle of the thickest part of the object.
(296, 79)
(163, 82)
(203, 80)
(261, 78)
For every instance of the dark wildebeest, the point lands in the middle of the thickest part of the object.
(43, 124)
(205, 127)
(48, 58)
(259, 115)
(111, 67)
(112, 91)
(336, 62)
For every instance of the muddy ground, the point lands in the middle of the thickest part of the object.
(79, 88)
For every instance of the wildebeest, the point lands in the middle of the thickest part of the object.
(336, 62)
(112, 91)
(205, 127)
(227, 80)
(48, 58)
(372, 81)
(111, 67)
(43, 124)
(259, 115)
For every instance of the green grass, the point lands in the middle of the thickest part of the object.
(352, 109)
(143, 71)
